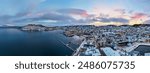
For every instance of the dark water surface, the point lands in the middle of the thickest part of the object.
(14, 42)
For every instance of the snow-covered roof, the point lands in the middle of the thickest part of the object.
(147, 54)
(110, 52)
(92, 51)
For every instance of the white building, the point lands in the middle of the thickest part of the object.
(92, 51)
(110, 52)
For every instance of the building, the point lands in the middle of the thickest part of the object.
(110, 52)
(147, 54)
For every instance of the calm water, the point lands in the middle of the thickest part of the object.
(14, 42)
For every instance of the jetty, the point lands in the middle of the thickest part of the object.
(67, 45)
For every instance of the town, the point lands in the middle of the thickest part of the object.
(110, 40)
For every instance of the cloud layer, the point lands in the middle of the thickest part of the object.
(69, 15)
(74, 12)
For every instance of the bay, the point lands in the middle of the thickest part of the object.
(14, 42)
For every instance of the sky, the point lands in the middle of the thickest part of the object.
(74, 12)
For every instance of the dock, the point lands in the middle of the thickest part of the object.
(67, 45)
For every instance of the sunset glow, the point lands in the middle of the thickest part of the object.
(64, 12)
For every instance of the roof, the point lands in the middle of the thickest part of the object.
(147, 54)
(110, 52)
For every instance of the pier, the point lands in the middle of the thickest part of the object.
(67, 45)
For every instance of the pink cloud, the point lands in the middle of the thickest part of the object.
(84, 14)
(139, 16)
